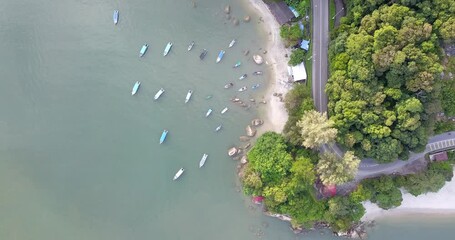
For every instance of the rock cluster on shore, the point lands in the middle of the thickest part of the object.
(239, 153)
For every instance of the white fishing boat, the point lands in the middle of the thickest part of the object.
(115, 17)
(158, 94)
(224, 110)
(143, 50)
(190, 46)
(229, 85)
(208, 112)
(257, 73)
(179, 173)
(167, 49)
(243, 76)
(231, 44)
(188, 95)
(255, 86)
(203, 159)
(218, 128)
(135, 88)
(242, 89)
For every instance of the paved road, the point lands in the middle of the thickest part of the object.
(368, 167)
(320, 48)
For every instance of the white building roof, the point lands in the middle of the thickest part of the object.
(298, 72)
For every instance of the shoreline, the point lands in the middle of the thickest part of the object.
(441, 203)
(275, 112)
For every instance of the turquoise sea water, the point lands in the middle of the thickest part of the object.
(80, 157)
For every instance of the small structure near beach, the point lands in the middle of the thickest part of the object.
(280, 11)
(298, 73)
(438, 157)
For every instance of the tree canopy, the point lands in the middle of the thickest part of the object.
(384, 72)
(316, 129)
(333, 170)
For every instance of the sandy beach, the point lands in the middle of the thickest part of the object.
(276, 114)
(440, 203)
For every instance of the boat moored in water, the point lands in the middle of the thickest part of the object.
(135, 88)
(203, 159)
(255, 86)
(242, 89)
(190, 46)
(163, 136)
(237, 64)
(188, 95)
(243, 76)
(143, 50)
(208, 112)
(220, 56)
(231, 44)
(179, 173)
(167, 49)
(115, 17)
(229, 85)
(257, 73)
(158, 94)
(203, 53)
(218, 128)
(224, 110)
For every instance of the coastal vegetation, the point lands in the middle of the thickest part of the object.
(384, 87)
(294, 33)
(385, 91)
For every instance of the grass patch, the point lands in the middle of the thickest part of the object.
(332, 12)
(309, 55)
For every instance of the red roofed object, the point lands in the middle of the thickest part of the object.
(329, 191)
(257, 199)
(442, 156)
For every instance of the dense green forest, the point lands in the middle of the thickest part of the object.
(384, 88)
(384, 91)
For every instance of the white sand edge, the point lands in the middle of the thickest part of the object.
(440, 203)
(276, 114)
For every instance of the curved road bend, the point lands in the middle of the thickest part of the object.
(368, 167)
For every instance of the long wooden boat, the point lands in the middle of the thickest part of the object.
(203, 159)
(135, 88)
(143, 50)
(203, 53)
(188, 95)
(220, 56)
(167, 49)
(115, 17)
(190, 46)
(179, 173)
(159, 93)
(163, 136)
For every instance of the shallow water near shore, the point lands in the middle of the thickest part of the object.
(80, 157)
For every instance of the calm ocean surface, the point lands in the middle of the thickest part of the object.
(80, 157)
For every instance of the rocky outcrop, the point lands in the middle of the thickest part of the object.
(257, 122)
(243, 159)
(235, 21)
(258, 59)
(244, 138)
(233, 151)
(248, 145)
(250, 131)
